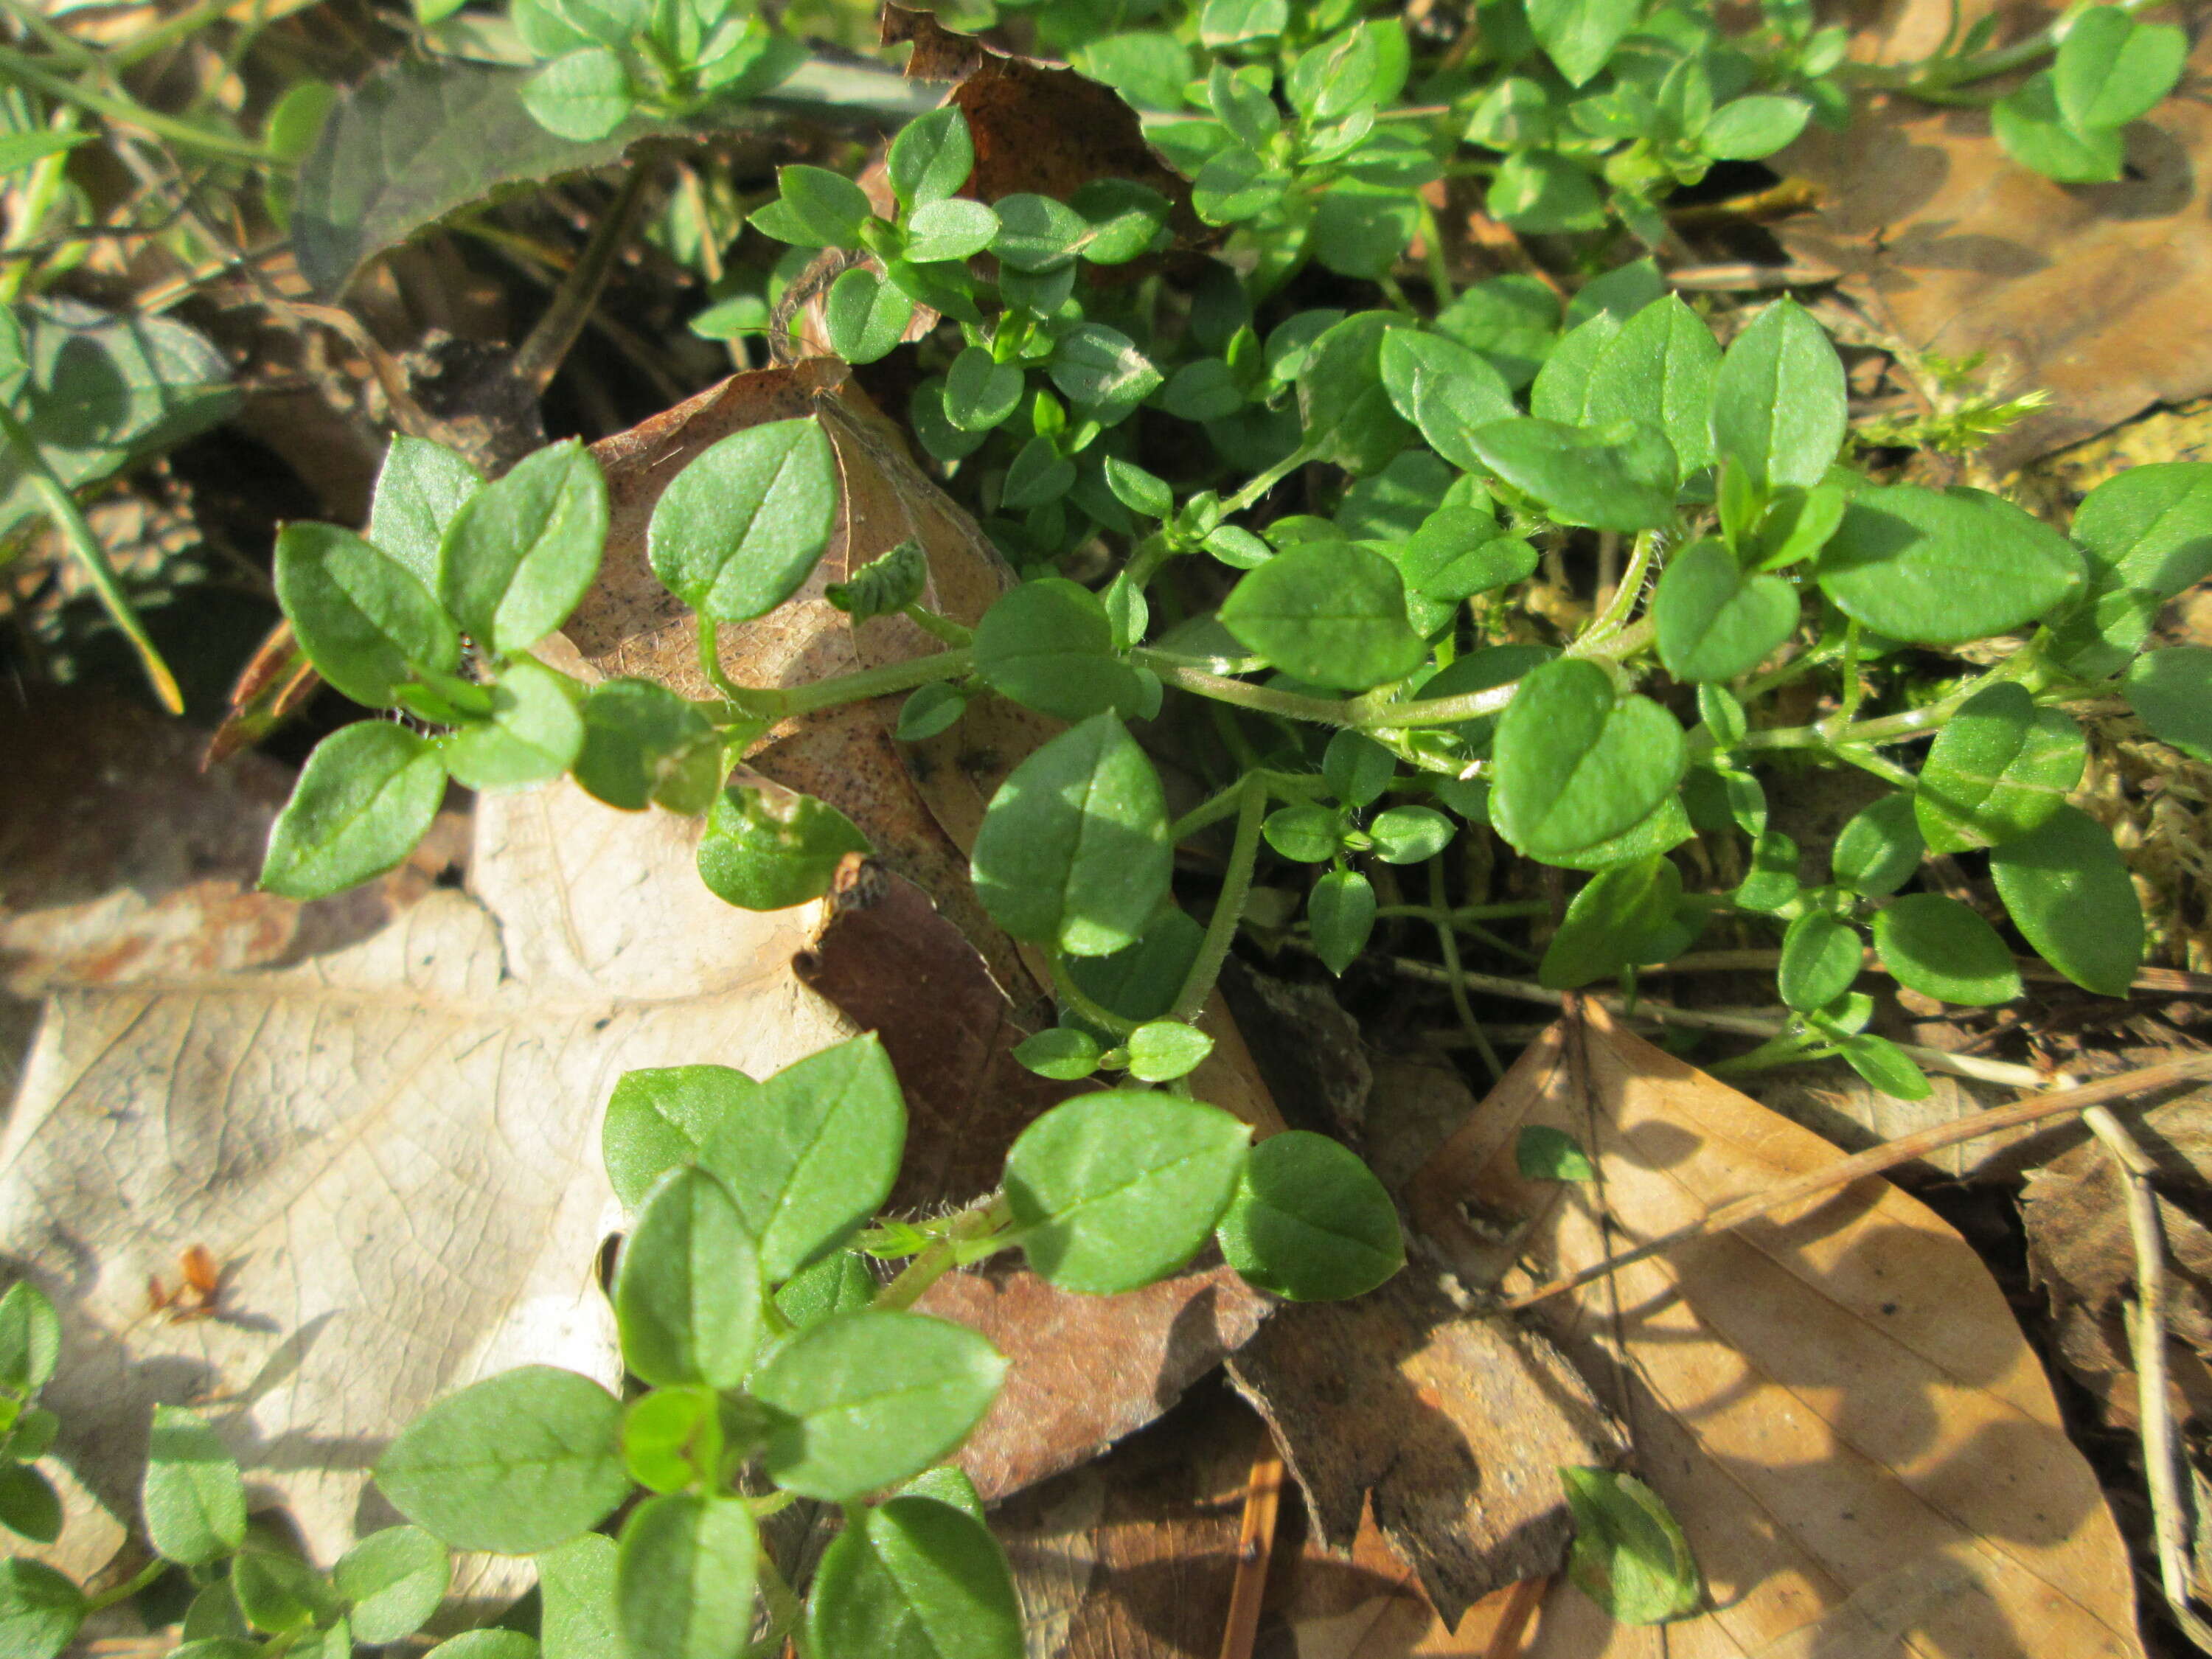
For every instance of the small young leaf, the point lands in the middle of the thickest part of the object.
(514, 1464)
(1127, 219)
(660, 1437)
(931, 709)
(1310, 1221)
(1063, 1053)
(813, 1152)
(1941, 566)
(1139, 490)
(839, 1283)
(738, 529)
(2001, 767)
(1327, 613)
(913, 1579)
(1357, 767)
(392, 1582)
(534, 734)
(520, 551)
(2068, 890)
(871, 1398)
(1115, 1190)
(193, 1500)
(1939, 948)
(1408, 834)
(361, 615)
(2032, 129)
(1446, 389)
(1772, 881)
(1542, 1152)
(2172, 691)
(29, 1505)
(931, 158)
(30, 1340)
(39, 1610)
(577, 1616)
(1715, 622)
(767, 848)
(491, 1643)
(1779, 401)
(580, 95)
(1754, 128)
(1343, 402)
(1036, 234)
(684, 1576)
(686, 1293)
(1575, 765)
(1101, 371)
(828, 208)
(865, 316)
(1341, 911)
(1162, 1050)
(2150, 527)
(1821, 957)
(1630, 1556)
(1877, 851)
(419, 488)
(1884, 1065)
(1048, 645)
(367, 795)
(659, 1117)
(1307, 834)
(1073, 850)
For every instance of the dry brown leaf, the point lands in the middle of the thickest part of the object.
(2080, 1251)
(2092, 292)
(1325, 1604)
(1835, 1402)
(1451, 1426)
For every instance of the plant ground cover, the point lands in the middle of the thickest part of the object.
(978, 863)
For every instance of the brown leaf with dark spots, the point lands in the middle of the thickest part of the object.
(1087, 1370)
(1452, 1425)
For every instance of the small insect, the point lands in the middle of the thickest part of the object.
(198, 1296)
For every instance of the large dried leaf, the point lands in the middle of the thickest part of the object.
(2093, 292)
(1834, 1400)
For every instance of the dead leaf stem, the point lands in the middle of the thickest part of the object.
(2050, 1102)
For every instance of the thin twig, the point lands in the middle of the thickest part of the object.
(2170, 981)
(1255, 1546)
(2147, 1338)
(2050, 1102)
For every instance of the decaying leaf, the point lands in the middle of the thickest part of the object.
(1835, 1402)
(2079, 1250)
(1369, 1605)
(1452, 1426)
(2091, 292)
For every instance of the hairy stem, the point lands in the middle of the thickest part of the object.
(1229, 908)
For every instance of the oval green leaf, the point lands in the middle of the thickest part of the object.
(738, 530)
(915, 1579)
(1942, 566)
(368, 793)
(1939, 948)
(1310, 1221)
(1575, 767)
(2069, 892)
(687, 1294)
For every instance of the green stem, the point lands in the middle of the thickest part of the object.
(16, 66)
(992, 1215)
(784, 1611)
(67, 49)
(1077, 1001)
(1229, 908)
(1616, 610)
(867, 683)
(1289, 785)
(1943, 74)
(1266, 481)
(1430, 913)
(130, 1587)
(165, 33)
(1455, 977)
(1433, 241)
(1893, 728)
(61, 506)
(941, 629)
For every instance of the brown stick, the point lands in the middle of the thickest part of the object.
(1255, 1545)
(2057, 1102)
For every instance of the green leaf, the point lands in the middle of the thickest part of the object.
(980, 391)
(2068, 892)
(1543, 193)
(1884, 1065)
(641, 744)
(1307, 834)
(534, 733)
(1333, 77)
(662, 1437)
(684, 1577)
(367, 795)
(1073, 850)
(931, 709)
(738, 529)
(1754, 128)
(1101, 371)
(1542, 1152)
(1513, 321)
(828, 207)
(1459, 552)
(871, 1398)
(19, 150)
(1579, 36)
(1561, 393)
(1343, 403)
(1127, 219)
(1310, 1221)
(1779, 409)
(39, 1610)
(1139, 490)
(1942, 566)
(931, 158)
(1629, 1556)
(1112, 1191)
(420, 488)
(214, 1614)
(1036, 234)
(687, 1294)
(1715, 622)
(1162, 1050)
(2031, 129)
(30, 1340)
(1327, 613)
(361, 615)
(1039, 476)
(193, 1498)
(865, 316)
(1821, 957)
(662, 1116)
(1877, 851)
(1772, 881)
(580, 95)
(767, 848)
(2111, 69)
(2150, 527)
(839, 1283)
(514, 1464)
(392, 1582)
(29, 1505)
(1659, 369)
(1232, 23)
(281, 1595)
(491, 1642)
(2172, 691)
(577, 1617)
(1360, 229)
(1409, 835)
(1939, 948)
(954, 229)
(1064, 1053)
(1048, 645)
(1341, 911)
(811, 1154)
(2001, 767)
(1611, 921)
(1575, 765)
(913, 1579)
(1446, 389)
(1617, 476)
